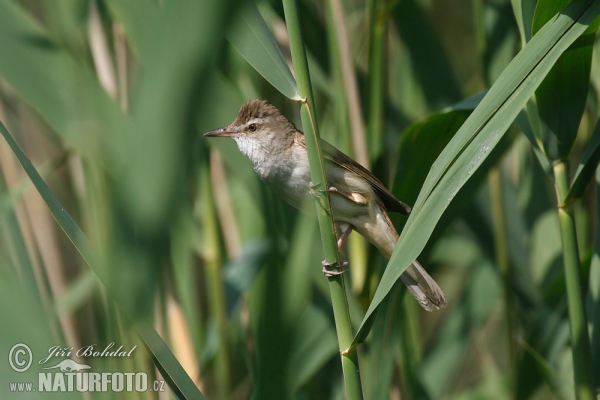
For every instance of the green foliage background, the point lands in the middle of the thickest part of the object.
(108, 100)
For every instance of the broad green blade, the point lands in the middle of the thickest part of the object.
(420, 145)
(423, 142)
(176, 377)
(562, 95)
(478, 136)
(253, 40)
(587, 166)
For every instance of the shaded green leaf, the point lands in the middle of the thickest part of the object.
(587, 166)
(593, 298)
(253, 40)
(499, 37)
(524, 10)
(239, 275)
(473, 307)
(562, 95)
(479, 135)
(525, 122)
(315, 343)
(431, 64)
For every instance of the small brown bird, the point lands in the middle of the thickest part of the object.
(359, 200)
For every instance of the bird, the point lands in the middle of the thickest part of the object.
(359, 201)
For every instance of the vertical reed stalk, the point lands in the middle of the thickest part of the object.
(317, 173)
(580, 341)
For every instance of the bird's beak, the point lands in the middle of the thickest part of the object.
(221, 132)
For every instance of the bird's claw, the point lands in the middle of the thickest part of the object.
(314, 189)
(313, 186)
(318, 193)
(329, 273)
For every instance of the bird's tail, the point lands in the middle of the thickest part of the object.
(417, 280)
(423, 287)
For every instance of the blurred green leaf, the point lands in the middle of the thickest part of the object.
(77, 292)
(593, 298)
(524, 10)
(473, 307)
(524, 121)
(279, 302)
(239, 275)
(251, 37)
(63, 91)
(562, 95)
(388, 335)
(16, 242)
(66, 21)
(315, 343)
(587, 166)
(154, 153)
(176, 377)
(27, 321)
(547, 331)
(430, 61)
(478, 136)
(499, 38)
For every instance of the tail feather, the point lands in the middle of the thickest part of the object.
(381, 232)
(423, 287)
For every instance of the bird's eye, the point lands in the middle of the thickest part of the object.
(252, 127)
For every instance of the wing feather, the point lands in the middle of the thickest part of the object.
(390, 202)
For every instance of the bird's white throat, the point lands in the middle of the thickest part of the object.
(257, 154)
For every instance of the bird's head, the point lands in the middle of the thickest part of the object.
(258, 128)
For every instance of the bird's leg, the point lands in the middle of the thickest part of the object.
(329, 273)
(312, 187)
(345, 233)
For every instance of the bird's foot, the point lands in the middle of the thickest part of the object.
(313, 188)
(329, 273)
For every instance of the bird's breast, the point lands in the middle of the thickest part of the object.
(291, 177)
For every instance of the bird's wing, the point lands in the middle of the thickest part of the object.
(390, 202)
